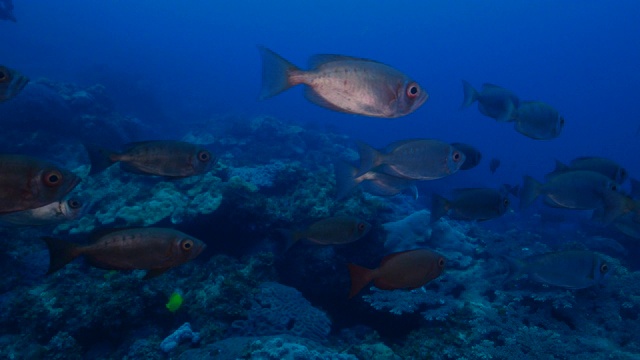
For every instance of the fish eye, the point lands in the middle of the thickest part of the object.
(456, 156)
(604, 268)
(413, 90)
(362, 226)
(74, 204)
(441, 262)
(187, 244)
(505, 202)
(52, 178)
(204, 156)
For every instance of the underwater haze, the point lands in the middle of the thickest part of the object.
(285, 204)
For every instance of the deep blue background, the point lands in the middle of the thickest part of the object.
(196, 59)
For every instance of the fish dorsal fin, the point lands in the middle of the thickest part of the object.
(320, 59)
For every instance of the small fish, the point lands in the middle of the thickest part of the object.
(573, 269)
(56, 212)
(153, 249)
(373, 182)
(330, 231)
(604, 166)
(493, 101)
(163, 158)
(404, 270)
(11, 83)
(538, 120)
(29, 183)
(345, 84)
(471, 154)
(471, 204)
(494, 165)
(419, 159)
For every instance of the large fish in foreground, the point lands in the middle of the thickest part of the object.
(493, 101)
(417, 159)
(56, 212)
(153, 249)
(574, 269)
(11, 83)
(28, 183)
(162, 157)
(404, 270)
(346, 84)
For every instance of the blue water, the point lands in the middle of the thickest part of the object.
(175, 65)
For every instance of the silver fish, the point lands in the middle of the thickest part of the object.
(573, 269)
(493, 101)
(56, 212)
(416, 159)
(604, 166)
(346, 84)
(373, 182)
(538, 120)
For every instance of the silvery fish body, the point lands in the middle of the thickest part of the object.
(346, 84)
(56, 212)
(573, 269)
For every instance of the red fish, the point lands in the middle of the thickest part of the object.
(408, 269)
(29, 183)
(153, 249)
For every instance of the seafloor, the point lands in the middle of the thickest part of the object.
(245, 297)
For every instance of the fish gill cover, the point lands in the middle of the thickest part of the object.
(138, 157)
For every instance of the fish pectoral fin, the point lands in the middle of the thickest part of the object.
(154, 272)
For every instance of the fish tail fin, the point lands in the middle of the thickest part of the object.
(100, 159)
(61, 252)
(369, 158)
(360, 277)
(275, 73)
(470, 94)
(530, 191)
(516, 266)
(439, 207)
(291, 236)
(345, 178)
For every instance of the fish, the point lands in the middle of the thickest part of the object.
(416, 159)
(11, 83)
(56, 212)
(330, 231)
(345, 84)
(28, 183)
(572, 269)
(471, 154)
(628, 224)
(403, 270)
(494, 164)
(373, 182)
(161, 157)
(580, 189)
(6, 10)
(471, 204)
(538, 120)
(153, 249)
(493, 101)
(604, 166)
